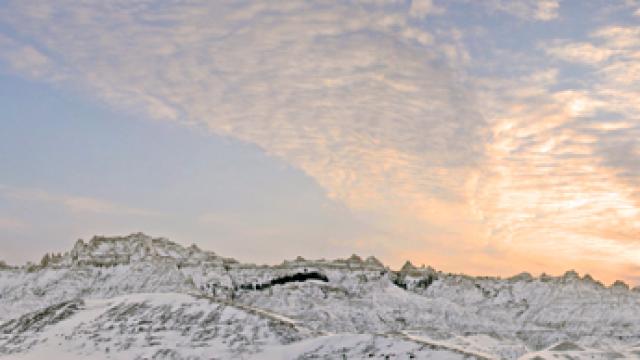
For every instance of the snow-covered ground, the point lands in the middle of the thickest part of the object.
(139, 297)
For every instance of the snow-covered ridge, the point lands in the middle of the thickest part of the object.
(123, 250)
(138, 247)
(327, 308)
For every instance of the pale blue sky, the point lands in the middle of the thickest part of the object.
(66, 144)
(475, 136)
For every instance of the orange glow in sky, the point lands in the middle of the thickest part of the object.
(488, 137)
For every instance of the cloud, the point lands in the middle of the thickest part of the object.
(620, 37)
(355, 96)
(78, 204)
(547, 10)
(10, 223)
(563, 176)
(580, 53)
(535, 10)
(490, 169)
(422, 8)
(26, 59)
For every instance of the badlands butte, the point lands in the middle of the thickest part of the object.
(142, 297)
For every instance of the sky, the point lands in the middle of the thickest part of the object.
(486, 137)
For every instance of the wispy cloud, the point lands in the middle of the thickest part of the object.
(580, 52)
(561, 176)
(384, 109)
(27, 60)
(535, 10)
(355, 95)
(79, 204)
(11, 223)
(422, 8)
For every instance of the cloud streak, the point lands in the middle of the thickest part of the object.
(11, 223)
(77, 204)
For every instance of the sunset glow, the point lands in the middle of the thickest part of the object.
(485, 137)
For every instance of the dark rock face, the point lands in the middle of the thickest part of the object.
(297, 277)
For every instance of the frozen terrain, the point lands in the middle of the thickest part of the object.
(141, 297)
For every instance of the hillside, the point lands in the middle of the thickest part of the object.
(142, 297)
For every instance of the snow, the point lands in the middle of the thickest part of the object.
(147, 297)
